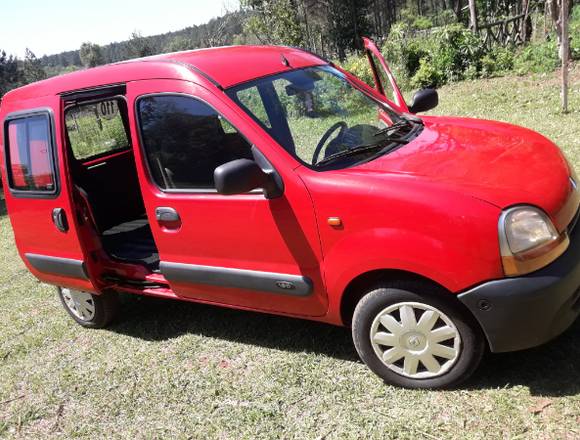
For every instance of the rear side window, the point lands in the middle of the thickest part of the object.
(29, 154)
(97, 128)
(185, 140)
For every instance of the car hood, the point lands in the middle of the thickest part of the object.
(500, 163)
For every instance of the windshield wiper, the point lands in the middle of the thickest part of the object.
(400, 124)
(358, 149)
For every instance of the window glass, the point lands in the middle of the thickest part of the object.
(185, 140)
(385, 84)
(96, 128)
(251, 99)
(29, 154)
(318, 113)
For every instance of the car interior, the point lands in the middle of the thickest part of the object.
(183, 145)
(106, 182)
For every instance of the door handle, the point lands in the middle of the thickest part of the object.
(168, 216)
(59, 219)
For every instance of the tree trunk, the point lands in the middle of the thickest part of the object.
(524, 29)
(472, 16)
(457, 10)
(565, 53)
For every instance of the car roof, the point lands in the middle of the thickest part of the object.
(220, 66)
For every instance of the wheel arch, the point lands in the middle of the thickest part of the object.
(356, 288)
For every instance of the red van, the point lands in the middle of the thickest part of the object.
(269, 179)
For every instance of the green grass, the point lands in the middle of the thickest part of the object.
(179, 370)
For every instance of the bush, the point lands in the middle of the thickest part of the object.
(427, 76)
(537, 58)
(451, 53)
(575, 33)
(499, 61)
(358, 65)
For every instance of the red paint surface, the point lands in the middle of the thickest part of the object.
(430, 208)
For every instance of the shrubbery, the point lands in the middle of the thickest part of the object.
(450, 53)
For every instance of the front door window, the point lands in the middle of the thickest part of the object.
(185, 140)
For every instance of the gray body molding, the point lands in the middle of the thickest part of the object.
(66, 267)
(284, 284)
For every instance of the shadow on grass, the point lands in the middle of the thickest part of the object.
(3, 211)
(550, 370)
(157, 319)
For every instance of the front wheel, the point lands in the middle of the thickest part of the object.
(412, 337)
(87, 309)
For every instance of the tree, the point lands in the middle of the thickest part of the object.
(138, 46)
(560, 13)
(274, 21)
(178, 44)
(10, 75)
(473, 15)
(91, 55)
(32, 68)
(348, 24)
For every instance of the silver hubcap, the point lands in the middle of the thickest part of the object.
(415, 340)
(80, 303)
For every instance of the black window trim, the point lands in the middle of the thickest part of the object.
(124, 118)
(144, 157)
(53, 154)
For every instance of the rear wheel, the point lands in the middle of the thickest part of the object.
(87, 309)
(411, 336)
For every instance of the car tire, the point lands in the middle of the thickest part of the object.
(439, 351)
(88, 309)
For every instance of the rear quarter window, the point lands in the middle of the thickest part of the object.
(29, 154)
(97, 128)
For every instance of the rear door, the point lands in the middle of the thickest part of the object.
(38, 194)
(385, 82)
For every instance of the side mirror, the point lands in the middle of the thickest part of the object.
(243, 175)
(424, 100)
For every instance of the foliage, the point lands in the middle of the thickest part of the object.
(358, 65)
(537, 58)
(91, 55)
(178, 44)
(575, 33)
(498, 61)
(10, 74)
(427, 42)
(273, 22)
(138, 46)
(32, 68)
(347, 24)
(427, 75)
(91, 134)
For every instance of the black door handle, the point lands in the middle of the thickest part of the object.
(59, 219)
(164, 214)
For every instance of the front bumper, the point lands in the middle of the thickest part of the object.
(523, 312)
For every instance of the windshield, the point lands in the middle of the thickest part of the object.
(322, 119)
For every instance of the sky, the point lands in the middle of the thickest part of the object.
(52, 26)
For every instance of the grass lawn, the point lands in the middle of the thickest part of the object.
(180, 370)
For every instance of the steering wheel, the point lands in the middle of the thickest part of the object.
(339, 125)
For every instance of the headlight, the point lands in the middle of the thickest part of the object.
(528, 240)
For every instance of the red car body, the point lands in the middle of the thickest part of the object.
(429, 210)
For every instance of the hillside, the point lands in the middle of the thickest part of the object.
(218, 31)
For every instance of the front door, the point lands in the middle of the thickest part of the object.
(38, 195)
(242, 250)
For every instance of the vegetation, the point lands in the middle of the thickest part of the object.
(95, 128)
(179, 370)
(427, 43)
